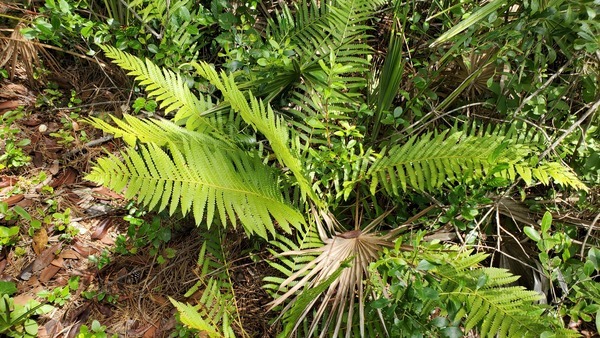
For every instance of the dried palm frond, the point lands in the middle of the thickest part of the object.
(468, 75)
(472, 63)
(346, 285)
(17, 51)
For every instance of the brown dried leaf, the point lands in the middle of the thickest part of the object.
(33, 121)
(7, 181)
(8, 105)
(150, 333)
(59, 262)
(48, 273)
(68, 176)
(22, 299)
(12, 200)
(54, 167)
(74, 330)
(38, 159)
(84, 250)
(26, 203)
(106, 194)
(40, 240)
(102, 229)
(52, 327)
(69, 254)
(13, 91)
(44, 258)
(159, 299)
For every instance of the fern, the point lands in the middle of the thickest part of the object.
(506, 311)
(198, 177)
(166, 87)
(159, 132)
(475, 297)
(324, 35)
(191, 317)
(216, 312)
(261, 117)
(429, 161)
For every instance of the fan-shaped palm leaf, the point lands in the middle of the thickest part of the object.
(340, 295)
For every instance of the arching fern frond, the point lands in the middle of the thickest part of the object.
(167, 87)
(427, 162)
(488, 302)
(191, 316)
(159, 132)
(201, 179)
(321, 33)
(261, 116)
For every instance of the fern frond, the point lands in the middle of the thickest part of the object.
(322, 33)
(167, 87)
(159, 132)
(318, 29)
(498, 310)
(191, 317)
(429, 161)
(263, 119)
(217, 304)
(200, 179)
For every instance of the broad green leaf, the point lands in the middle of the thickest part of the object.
(532, 233)
(546, 222)
(7, 288)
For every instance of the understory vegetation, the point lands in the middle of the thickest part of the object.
(390, 169)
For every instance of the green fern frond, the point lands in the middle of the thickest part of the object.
(329, 33)
(336, 27)
(167, 87)
(198, 178)
(488, 303)
(217, 304)
(429, 161)
(214, 313)
(159, 132)
(263, 119)
(191, 317)
(486, 300)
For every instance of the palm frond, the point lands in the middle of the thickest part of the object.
(338, 297)
(390, 75)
